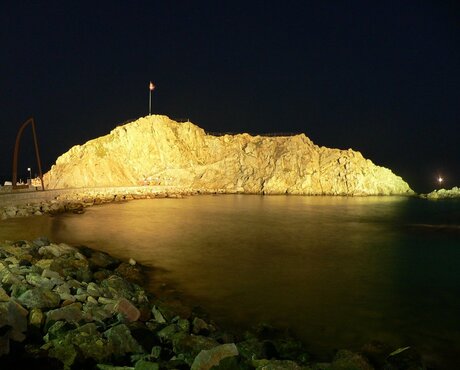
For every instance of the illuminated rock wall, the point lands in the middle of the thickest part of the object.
(160, 151)
(443, 193)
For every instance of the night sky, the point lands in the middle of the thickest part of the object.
(379, 77)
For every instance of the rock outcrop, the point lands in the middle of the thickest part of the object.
(159, 151)
(443, 194)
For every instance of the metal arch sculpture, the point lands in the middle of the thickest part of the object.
(16, 152)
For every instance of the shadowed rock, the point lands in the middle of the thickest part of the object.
(206, 359)
(120, 340)
(39, 298)
(13, 324)
(71, 313)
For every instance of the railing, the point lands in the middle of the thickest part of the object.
(213, 133)
(268, 134)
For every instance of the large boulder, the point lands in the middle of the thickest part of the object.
(69, 346)
(206, 359)
(120, 341)
(189, 346)
(39, 297)
(71, 313)
(345, 360)
(13, 324)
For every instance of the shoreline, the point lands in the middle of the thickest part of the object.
(36, 203)
(77, 201)
(76, 307)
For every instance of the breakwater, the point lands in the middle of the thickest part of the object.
(36, 203)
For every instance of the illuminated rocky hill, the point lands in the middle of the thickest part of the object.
(160, 151)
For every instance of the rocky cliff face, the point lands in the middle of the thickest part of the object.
(158, 150)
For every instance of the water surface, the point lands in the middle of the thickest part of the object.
(339, 272)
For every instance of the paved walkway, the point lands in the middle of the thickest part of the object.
(24, 197)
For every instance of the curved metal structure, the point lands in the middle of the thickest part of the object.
(16, 153)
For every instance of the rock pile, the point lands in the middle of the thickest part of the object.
(38, 209)
(64, 307)
(443, 194)
(77, 201)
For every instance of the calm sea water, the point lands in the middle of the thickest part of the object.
(339, 272)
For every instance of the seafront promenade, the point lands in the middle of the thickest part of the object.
(28, 196)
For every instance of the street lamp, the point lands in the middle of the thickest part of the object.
(440, 180)
(30, 173)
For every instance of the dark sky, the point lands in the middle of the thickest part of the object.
(379, 77)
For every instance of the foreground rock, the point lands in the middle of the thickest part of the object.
(158, 150)
(443, 194)
(64, 307)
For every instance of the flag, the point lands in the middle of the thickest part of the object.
(151, 86)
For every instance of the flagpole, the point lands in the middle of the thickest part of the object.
(151, 87)
(150, 102)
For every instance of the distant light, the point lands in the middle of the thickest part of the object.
(440, 179)
(28, 168)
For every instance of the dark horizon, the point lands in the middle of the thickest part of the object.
(381, 79)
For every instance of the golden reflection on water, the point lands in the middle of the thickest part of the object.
(332, 268)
